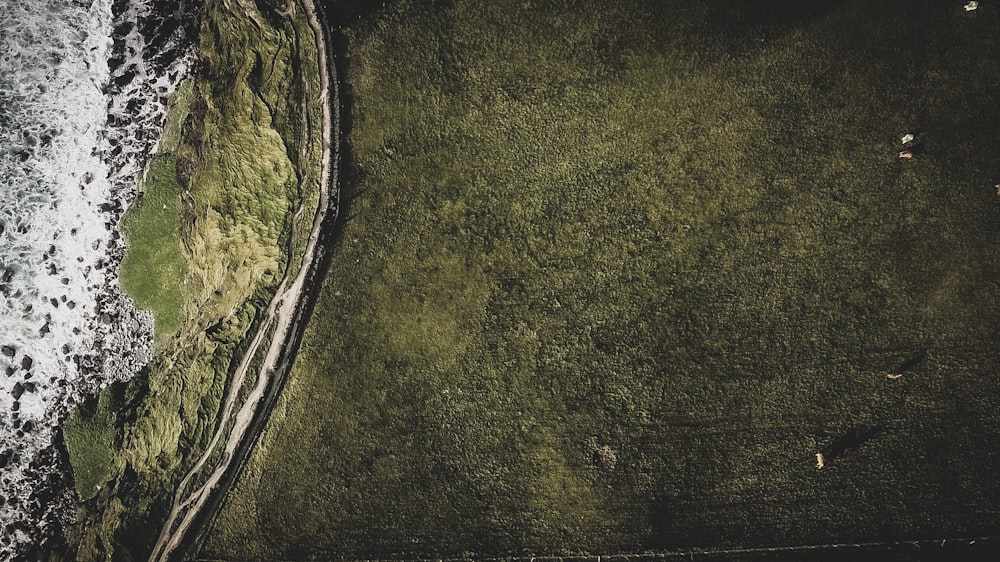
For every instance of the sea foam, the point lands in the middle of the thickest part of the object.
(74, 132)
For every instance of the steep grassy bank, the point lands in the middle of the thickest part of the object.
(227, 204)
(613, 273)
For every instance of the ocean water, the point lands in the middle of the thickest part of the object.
(83, 85)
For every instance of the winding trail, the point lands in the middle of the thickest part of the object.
(283, 313)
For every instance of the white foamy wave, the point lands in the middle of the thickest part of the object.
(52, 182)
(73, 134)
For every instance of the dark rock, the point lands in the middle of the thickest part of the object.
(27, 362)
(29, 386)
(122, 80)
(5, 457)
(28, 426)
(15, 406)
(17, 391)
(10, 371)
(8, 350)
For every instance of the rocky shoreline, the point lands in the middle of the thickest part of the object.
(151, 53)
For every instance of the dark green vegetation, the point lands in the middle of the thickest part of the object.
(227, 204)
(90, 440)
(612, 273)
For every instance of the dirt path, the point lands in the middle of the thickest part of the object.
(280, 314)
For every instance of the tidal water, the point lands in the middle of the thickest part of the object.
(83, 85)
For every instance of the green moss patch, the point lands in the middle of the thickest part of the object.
(90, 441)
(154, 269)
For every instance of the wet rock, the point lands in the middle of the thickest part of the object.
(123, 80)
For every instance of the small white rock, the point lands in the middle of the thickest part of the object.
(971, 6)
(906, 138)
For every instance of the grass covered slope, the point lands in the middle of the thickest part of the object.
(613, 273)
(228, 201)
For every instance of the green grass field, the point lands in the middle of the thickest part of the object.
(611, 274)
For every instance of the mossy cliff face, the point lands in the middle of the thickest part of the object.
(210, 239)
